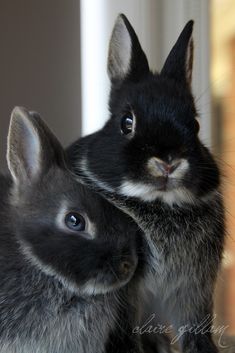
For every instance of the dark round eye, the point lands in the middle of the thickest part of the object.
(75, 221)
(127, 123)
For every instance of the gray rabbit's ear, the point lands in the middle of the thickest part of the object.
(126, 58)
(31, 147)
(179, 63)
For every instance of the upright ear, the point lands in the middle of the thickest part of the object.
(179, 63)
(126, 58)
(31, 147)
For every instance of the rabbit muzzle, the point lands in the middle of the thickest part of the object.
(167, 174)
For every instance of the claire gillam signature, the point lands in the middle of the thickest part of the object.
(205, 326)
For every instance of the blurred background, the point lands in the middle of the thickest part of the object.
(53, 60)
(222, 86)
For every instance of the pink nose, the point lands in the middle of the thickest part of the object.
(166, 168)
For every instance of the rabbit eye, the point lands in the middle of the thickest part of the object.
(127, 124)
(75, 221)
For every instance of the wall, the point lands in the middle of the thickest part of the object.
(40, 64)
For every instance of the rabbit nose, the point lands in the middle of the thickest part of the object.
(161, 168)
(125, 268)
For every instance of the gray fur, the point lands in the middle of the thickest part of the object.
(62, 291)
(40, 316)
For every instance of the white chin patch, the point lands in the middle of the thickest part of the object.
(149, 193)
(91, 287)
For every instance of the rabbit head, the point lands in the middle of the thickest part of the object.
(150, 148)
(64, 229)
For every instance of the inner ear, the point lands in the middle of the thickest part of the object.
(119, 58)
(23, 147)
(31, 148)
(126, 58)
(189, 61)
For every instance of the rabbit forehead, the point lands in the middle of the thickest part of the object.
(41, 202)
(154, 96)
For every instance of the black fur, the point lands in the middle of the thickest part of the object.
(182, 216)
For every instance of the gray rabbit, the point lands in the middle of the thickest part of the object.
(70, 263)
(149, 161)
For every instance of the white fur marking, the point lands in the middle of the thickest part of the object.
(150, 193)
(91, 176)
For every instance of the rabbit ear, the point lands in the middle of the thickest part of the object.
(31, 147)
(179, 63)
(126, 58)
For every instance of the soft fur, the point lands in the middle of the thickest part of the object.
(163, 176)
(62, 291)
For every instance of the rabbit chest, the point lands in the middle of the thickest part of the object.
(183, 242)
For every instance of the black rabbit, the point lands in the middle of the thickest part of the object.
(148, 160)
(70, 263)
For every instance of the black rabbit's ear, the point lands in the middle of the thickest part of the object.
(179, 63)
(31, 147)
(126, 58)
